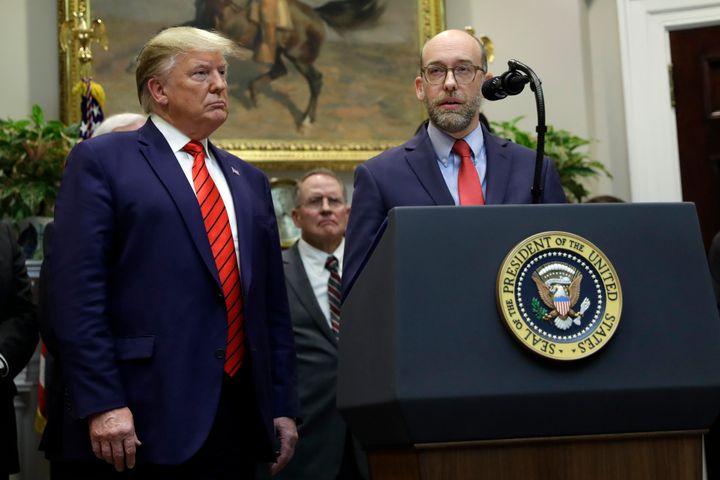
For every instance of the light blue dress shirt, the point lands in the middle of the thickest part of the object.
(449, 162)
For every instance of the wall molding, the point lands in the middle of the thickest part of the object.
(644, 25)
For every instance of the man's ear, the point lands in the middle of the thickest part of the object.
(295, 217)
(419, 88)
(157, 91)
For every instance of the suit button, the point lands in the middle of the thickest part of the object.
(221, 296)
(220, 353)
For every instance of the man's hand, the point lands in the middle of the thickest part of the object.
(286, 431)
(113, 438)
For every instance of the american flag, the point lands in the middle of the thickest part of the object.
(91, 105)
(41, 412)
(562, 304)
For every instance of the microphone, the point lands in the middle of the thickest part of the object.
(511, 82)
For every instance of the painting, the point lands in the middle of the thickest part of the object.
(360, 76)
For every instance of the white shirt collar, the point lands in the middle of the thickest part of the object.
(317, 257)
(175, 138)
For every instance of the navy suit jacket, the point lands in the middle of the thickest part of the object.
(409, 175)
(139, 311)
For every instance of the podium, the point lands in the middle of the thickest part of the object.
(435, 386)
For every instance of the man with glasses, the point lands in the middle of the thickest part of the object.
(313, 269)
(454, 161)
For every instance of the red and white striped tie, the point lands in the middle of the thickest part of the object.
(220, 236)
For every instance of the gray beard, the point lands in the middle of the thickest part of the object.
(454, 121)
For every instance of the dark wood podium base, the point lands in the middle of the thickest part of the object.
(656, 456)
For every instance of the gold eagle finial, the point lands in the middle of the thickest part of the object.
(79, 32)
(486, 41)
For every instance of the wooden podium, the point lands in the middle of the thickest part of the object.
(435, 387)
(671, 456)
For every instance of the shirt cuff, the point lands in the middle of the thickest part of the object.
(4, 367)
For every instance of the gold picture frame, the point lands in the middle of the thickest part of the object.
(353, 131)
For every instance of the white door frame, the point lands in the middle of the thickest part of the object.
(644, 25)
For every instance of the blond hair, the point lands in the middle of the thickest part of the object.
(158, 55)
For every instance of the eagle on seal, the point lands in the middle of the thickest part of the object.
(560, 298)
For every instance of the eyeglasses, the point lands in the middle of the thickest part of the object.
(436, 74)
(318, 203)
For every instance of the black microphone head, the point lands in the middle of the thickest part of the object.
(493, 89)
(513, 82)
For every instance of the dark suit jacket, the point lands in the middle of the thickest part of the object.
(18, 338)
(408, 175)
(138, 308)
(714, 260)
(323, 434)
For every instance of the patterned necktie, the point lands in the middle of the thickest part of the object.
(334, 293)
(220, 236)
(469, 187)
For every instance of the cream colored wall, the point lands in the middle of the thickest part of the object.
(28, 47)
(606, 96)
(571, 44)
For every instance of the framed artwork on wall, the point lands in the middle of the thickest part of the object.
(362, 70)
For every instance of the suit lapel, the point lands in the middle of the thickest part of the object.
(420, 156)
(243, 213)
(156, 151)
(498, 170)
(297, 279)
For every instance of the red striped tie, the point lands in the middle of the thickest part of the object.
(469, 188)
(220, 236)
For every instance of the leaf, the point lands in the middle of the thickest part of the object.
(567, 150)
(32, 159)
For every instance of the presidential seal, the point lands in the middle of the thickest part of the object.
(559, 295)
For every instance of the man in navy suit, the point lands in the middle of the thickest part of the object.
(170, 307)
(426, 170)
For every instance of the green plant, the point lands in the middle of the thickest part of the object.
(32, 156)
(567, 151)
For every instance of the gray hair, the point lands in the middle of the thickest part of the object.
(117, 121)
(318, 171)
(158, 55)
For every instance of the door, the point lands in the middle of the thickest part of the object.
(696, 82)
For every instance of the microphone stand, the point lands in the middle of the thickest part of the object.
(541, 128)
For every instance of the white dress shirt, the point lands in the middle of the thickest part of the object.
(314, 262)
(177, 140)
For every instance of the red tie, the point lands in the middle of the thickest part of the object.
(469, 187)
(220, 236)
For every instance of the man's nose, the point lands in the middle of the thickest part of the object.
(218, 82)
(450, 83)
